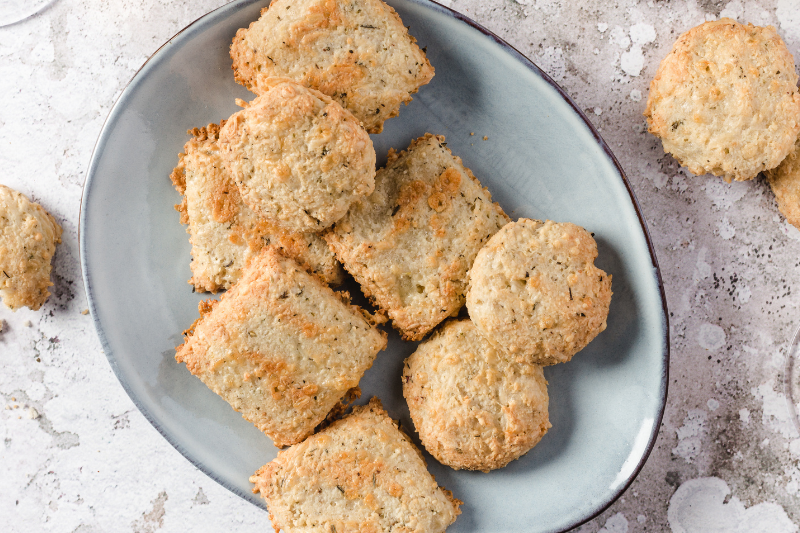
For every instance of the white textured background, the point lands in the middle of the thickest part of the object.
(77, 457)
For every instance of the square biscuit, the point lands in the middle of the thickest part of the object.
(224, 232)
(280, 347)
(410, 244)
(356, 51)
(360, 474)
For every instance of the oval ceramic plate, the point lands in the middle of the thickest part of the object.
(541, 159)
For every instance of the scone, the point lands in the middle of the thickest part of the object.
(356, 51)
(785, 183)
(474, 406)
(224, 232)
(535, 292)
(725, 100)
(281, 347)
(360, 474)
(411, 242)
(28, 238)
(298, 158)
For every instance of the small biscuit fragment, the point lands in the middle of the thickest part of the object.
(785, 183)
(473, 405)
(360, 474)
(725, 100)
(410, 244)
(28, 238)
(356, 51)
(298, 158)
(535, 292)
(280, 347)
(225, 232)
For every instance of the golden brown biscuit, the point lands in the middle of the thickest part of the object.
(785, 183)
(474, 406)
(725, 100)
(356, 51)
(410, 244)
(226, 233)
(360, 474)
(535, 292)
(298, 158)
(28, 238)
(280, 347)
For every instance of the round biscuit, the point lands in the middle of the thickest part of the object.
(299, 158)
(474, 406)
(28, 238)
(534, 290)
(725, 100)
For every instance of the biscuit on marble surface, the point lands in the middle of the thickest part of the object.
(474, 406)
(785, 183)
(224, 232)
(411, 242)
(360, 474)
(356, 51)
(299, 159)
(725, 100)
(281, 347)
(28, 238)
(535, 292)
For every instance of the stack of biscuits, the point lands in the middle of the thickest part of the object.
(282, 197)
(725, 101)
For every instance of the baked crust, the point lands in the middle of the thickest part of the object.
(725, 100)
(410, 244)
(224, 232)
(356, 51)
(28, 238)
(299, 159)
(473, 405)
(280, 347)
(785, 183)
(535, 292)
(361, 474)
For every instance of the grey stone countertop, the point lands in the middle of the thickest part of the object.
(76, 455)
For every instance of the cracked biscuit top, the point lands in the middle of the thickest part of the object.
(356, 51)
(299, 159)
(725, 100)
(535, 292)
(28, 238)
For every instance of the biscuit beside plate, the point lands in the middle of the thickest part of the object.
(725, 100)
(281, 347)
(411, 242)
(356, 51)
(224, 232)
(360, 474)
(535, 292)
(28, 238)
(473, 405)
(785, 183)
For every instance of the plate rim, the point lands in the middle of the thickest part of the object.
(524, 61)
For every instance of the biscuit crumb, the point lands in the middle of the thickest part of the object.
(33, 414)
(85, 312)
(472, 133)
(27, 324)
(485, 138)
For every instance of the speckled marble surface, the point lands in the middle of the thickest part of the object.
(77, 456)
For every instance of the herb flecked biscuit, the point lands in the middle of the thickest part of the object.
(785, 183)
(225, 232)
(725, 100)
(535, 292)
(360, 474)
(474, 406)
(28, 238)
(356, 51)
(410, 244)
(280, 347)
(298, 158)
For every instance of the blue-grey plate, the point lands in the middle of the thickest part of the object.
(542, 160)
